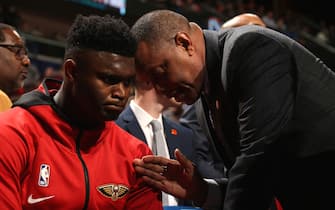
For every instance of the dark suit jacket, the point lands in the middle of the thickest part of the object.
(209, 160)
(271, 105)
(176, 135)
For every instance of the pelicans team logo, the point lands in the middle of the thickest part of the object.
(113, 191)
(43, 179)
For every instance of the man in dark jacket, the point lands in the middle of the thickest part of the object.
(268, 101)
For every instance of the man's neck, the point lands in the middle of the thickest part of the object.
(149, 105)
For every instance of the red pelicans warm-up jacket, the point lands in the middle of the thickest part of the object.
(47, 163)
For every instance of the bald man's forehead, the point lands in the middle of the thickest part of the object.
(243, 19)
(12, 37)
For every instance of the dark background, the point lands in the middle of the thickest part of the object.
(57, 15)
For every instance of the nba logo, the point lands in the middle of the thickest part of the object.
(43, 179)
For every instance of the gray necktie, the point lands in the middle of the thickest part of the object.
(158, 148)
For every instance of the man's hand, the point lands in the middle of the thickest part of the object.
(176, 177)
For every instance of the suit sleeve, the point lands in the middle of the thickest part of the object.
(13, 156)
(263, 84)
(209, 164)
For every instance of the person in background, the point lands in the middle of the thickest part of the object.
(60, 148)
(52, 72)
(243, 19)
(267, 99)
(136, 119)
(14, 62)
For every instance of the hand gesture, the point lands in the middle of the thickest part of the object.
(177, 177)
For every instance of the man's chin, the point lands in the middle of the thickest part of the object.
(191, 100)
(109, 116)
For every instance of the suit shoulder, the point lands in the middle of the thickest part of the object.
(179, 127)
(125, 117)
(249, 34)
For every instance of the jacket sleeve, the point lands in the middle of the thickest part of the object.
(13, 156)
(216, 194)
(207, 159)
(141, 195)
(264, 90)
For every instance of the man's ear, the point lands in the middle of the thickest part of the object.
(70, 69)
(184, 40)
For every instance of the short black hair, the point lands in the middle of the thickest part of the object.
(2, 27)
(159, 25)
(100, 33)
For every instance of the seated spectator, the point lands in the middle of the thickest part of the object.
(13, 64)
(243, 19)
(148, 106)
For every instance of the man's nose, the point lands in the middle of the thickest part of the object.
(26, 61)
(120, 90)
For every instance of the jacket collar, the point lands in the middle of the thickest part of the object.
(213, 59)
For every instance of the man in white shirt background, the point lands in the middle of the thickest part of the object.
(146, 106)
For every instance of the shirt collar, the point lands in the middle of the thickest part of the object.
(143, 117)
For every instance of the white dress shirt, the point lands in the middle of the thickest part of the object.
(144, 119)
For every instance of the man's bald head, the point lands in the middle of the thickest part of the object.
(244, 19)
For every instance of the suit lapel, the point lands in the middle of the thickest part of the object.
(170, 137)
(132, 125)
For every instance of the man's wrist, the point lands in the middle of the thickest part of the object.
(213, 194)
(200, 196)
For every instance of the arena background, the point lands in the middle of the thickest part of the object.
(44, 23)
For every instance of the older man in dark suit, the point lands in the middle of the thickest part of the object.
(268, 100)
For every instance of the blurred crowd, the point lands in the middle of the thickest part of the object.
(215, 12)
(288, 22)
(204, 110)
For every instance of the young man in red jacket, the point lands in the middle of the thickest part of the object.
(60, 149)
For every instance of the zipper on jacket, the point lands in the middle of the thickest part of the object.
(87, 181)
